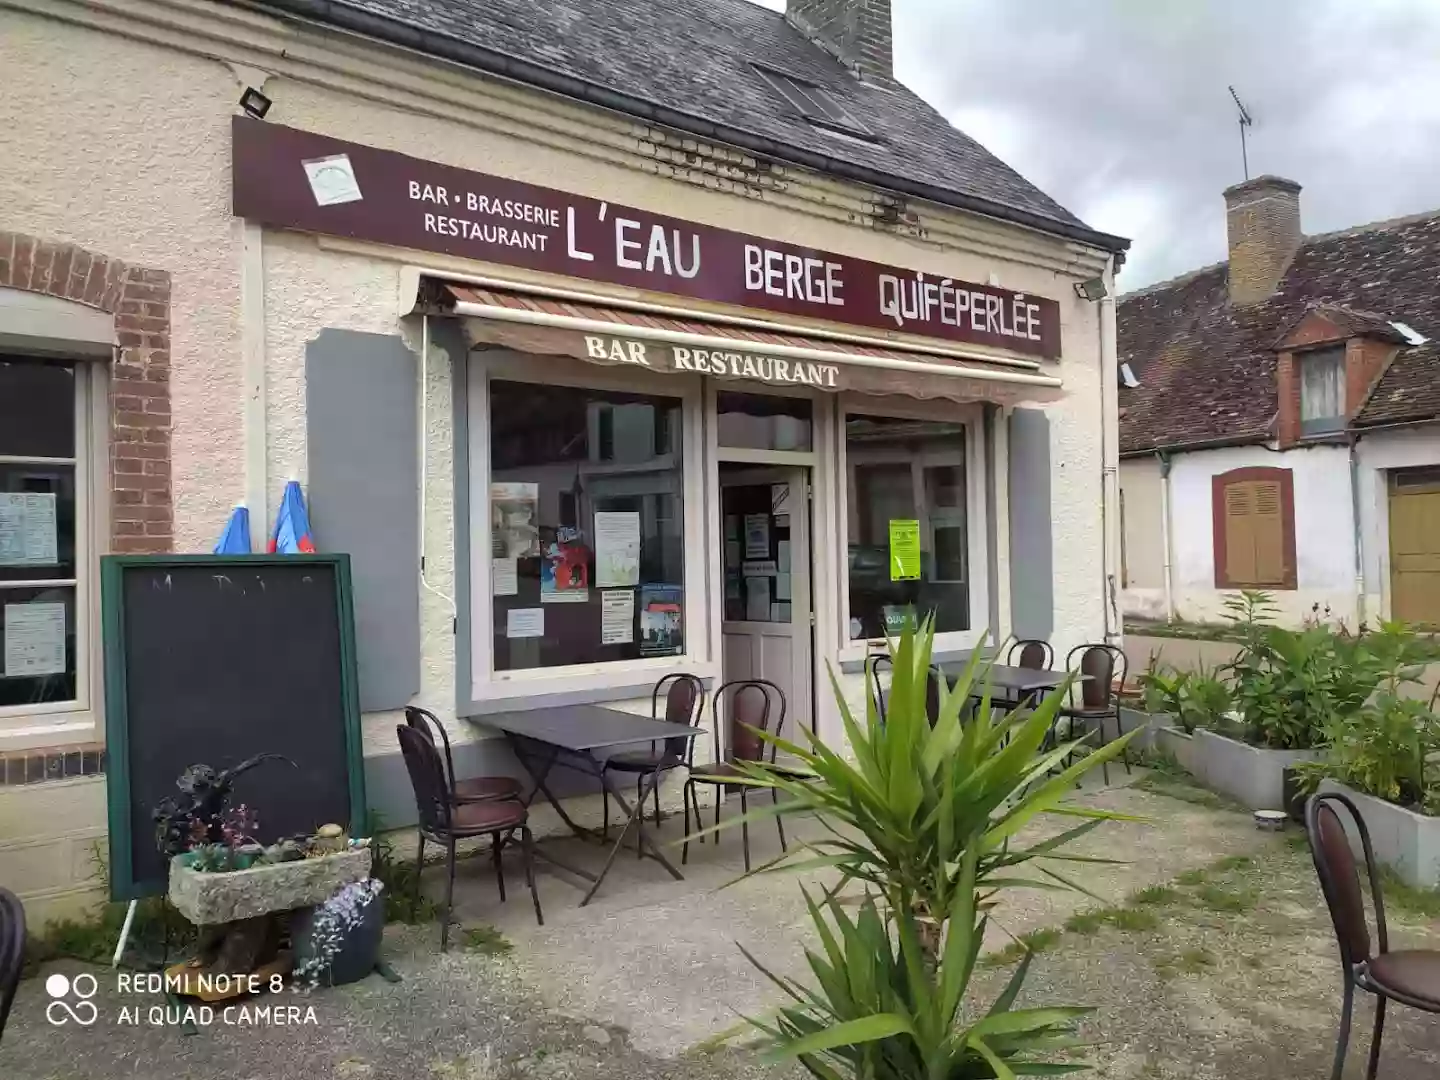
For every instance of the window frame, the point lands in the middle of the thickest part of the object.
(488, 684)
(1219, 486)
(1322, 425)
(79, 719)
(977, 522)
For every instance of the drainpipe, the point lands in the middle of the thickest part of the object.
(1109, 472)
(1355, 524)
(1164, 460)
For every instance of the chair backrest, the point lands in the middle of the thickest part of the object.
(1340, 876)
(873, 665)
(428, 724)
(1030, 653)
(684, 704)
(749, 704)
(932, 694)
(433, 794)
(1100, 662)
(12, 951)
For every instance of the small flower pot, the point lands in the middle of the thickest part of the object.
(359, 948)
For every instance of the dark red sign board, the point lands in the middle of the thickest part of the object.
(295, 179)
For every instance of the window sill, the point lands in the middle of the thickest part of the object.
(852, 657)
(34, 732)
(518, 695)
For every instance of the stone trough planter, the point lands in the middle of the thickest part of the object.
(1251, 775)
(1175, 743)
(1404, 840)
(211, 899)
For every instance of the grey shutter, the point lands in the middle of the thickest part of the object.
(1032, 587)
(362, 436)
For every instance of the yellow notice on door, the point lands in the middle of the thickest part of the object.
(904, 549)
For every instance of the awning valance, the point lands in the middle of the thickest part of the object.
(742, 350)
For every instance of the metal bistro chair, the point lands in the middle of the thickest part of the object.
(445, 821)
(749, 712)
(12, 951)
(1098, 698)
(472, 789)
(1033, 654)
(932, 688)
(872, 669)
(684, 702)
(1410, 976)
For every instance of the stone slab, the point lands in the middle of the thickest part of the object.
(209, 899)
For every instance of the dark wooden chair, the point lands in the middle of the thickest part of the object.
(684, 702)
(1098, 699)
(471, 789)
(873, 666)
(1030, 653)
(12, 951)
(445, 821)
(749, 711)
(1409, 976)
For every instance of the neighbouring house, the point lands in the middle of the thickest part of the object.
(492, 277)
(1283, 427)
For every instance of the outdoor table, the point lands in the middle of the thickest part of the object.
(577, 737)
(1019, 685)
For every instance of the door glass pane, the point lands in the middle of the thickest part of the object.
(37, 408)
(757, 553)
(587, 526)
(763, 421)
(37, 645)
(37, 522)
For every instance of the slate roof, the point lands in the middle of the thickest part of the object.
(693, 58)
(1207, 369)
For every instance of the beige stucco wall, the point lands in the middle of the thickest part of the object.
(1143, 591)
(121, 144)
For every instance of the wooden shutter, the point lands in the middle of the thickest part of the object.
(1254, 529)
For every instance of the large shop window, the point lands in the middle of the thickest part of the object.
(909, 547)
(587, 525)
(43, 553)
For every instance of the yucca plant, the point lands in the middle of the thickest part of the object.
(925, 816)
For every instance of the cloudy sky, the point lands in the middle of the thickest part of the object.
(1119, 108)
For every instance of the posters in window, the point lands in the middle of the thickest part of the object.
(525, 622)
(782, 586)
(504, 578)
(782, 555)
(617, 549)
(565, 569)
(904, 549)
(28, 534)
(34, 640)
(757, 536)
(757, 599)
(617, 617)
(513, 529)
(662, 609)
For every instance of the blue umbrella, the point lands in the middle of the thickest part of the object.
(292, 525)
(235, 540)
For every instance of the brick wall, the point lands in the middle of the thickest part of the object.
(141, 510)
(1365, 359)
(1262, 220)
(1287, 384)
(857, 31)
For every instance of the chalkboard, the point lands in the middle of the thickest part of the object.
(212, 659)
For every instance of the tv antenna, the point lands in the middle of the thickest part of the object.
(1246, 120)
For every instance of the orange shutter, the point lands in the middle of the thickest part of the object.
(1269, 533)
(1239, 533)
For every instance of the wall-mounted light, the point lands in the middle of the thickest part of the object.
(255, 103)
(1091, 289)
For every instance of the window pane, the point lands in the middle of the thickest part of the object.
(757, 552)
(763, 421)
(37, 645)
(37, 522)
(1322, 382)
(573, 470)
(906, 477)
(37, 408)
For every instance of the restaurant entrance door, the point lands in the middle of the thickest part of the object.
(768, 626)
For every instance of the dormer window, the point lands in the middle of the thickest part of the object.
(1322, 390)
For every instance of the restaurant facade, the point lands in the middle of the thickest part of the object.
(588, 398)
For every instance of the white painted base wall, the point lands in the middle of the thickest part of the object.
(52, 838)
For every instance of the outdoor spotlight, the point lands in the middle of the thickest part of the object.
(255, 103)
(1092, 289)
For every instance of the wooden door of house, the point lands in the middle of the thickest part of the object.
(1415, 546)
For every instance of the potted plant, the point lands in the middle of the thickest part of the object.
(338, 942)
(1189, 700)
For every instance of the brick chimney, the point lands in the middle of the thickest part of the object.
(857, 31)
(1262, 217)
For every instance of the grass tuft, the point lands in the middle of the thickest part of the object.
(1191, 878)
(1232, 862)
(1228, 901)
(1154, 895)
(1037, 941)
(1414, 899)
(485, 939)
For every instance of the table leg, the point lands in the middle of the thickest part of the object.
(539, 766)
(634, 816)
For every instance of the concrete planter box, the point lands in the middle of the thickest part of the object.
(1149, 724)
(1405, 841)
(1174, 743)
(1251, 775)
(209, 899)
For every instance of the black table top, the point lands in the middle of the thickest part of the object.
(585, 727)
(1002, 678)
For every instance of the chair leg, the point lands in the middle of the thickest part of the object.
(779, 821)
(745, 828)
(419, 865)
(1120, 734)
(449, 895)
(605, 802)
(656, 791)
(695, 798)
(685, 794)
(719, 791)
(495, 846)
(527, 848)
(640, 794)
(1343, 1043)
(1375, 1039)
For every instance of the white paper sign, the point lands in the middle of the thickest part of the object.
(34, 639)
(27, 529)
(525, 622)
(782, 586)
(503, 578)
(757, 599)
(617, 549)
(757, 536)
(782, 555)
(332, 180)
(763, 568)
(617, 617)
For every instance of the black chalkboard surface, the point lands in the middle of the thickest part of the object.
(215, 658)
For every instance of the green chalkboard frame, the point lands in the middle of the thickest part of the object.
(117, 722)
